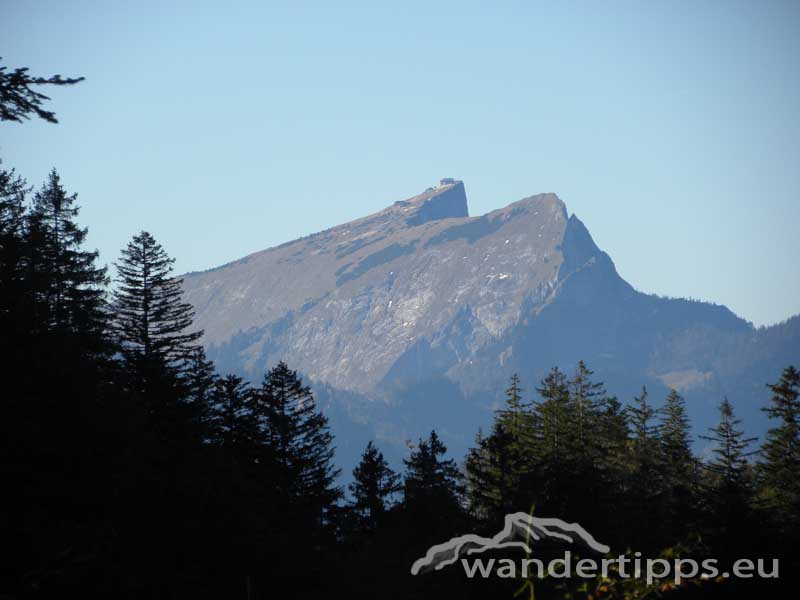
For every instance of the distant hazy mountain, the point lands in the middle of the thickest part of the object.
(414, 317)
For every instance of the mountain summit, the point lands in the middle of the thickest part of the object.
(448, 200)
(350, 305)
(416, 315)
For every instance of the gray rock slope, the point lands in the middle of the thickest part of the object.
(415, 316)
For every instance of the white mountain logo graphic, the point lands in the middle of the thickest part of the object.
(521, 531)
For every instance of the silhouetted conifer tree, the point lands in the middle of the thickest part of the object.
(585, 396)
(432, 490)
(646, 475)
(298, 443)
(14, 310)
(492, 477)
(680, 486)
(614, 444)
(373, 487)
(729, 487)
(69, 287)
(583, 446)
(500, 468)
(553, 433)
(781, 453)
(517, 420)
(152, 322)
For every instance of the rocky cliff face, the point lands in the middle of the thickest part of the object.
(415, 316)
(345, 305)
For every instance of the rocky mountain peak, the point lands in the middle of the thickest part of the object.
(448, 200)
(424, 310)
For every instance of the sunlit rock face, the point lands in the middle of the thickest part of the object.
(415, 316)
(345, 305)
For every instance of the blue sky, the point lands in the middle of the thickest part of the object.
(672, 129)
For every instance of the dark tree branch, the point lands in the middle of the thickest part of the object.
(18, 101)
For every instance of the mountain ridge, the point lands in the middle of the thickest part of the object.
(425, 309)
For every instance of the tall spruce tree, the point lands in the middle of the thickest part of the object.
(514, 416)
(14, 316)
(432, 494)
(729, 488)
(674, 434)
(300, 445)
(240, 477)
(781, 453)
(13, 191)
(68, 285)
(584, 444)
(613, 442)
(373, 487)
(493, 477)
(512, 449)
(678, 467)
(585, 397)
(646, 475)
(613, 432)
(644, 427)
(479, 481)
(552, 422)
(152, 321)
(432, 488)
